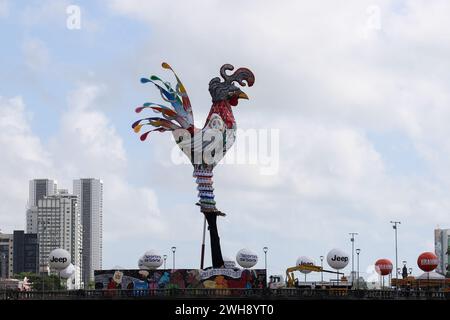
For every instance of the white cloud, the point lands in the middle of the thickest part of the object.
(23, 157)
(35, 54)
(4, 8)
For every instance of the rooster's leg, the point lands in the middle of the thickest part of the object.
(207, 204)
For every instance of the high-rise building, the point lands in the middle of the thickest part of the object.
(6, 255)
(442, 248)
(90, 195)
(26, 252)
(38, 189)
(59, 226)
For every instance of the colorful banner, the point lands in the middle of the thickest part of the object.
(180, 279)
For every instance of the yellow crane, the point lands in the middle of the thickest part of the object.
(290, 280)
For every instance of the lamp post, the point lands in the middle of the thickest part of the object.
(357, 267)
(321, 269)
(173, 252)
(165, 258)
(395, 223)
(352, 239)
(265, 249)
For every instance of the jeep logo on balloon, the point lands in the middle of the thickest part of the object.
(337, 259)
(59, 259)
(305, 261)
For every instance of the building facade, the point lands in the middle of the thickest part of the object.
(6, 255)
(90, 195)
(38, 190)
(26, 252)
(441, 248)
(59, 226)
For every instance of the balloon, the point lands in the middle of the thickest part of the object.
(305, 261)
(67, 272)
(383, 267)
(152, 259)
(337, 259)
(59, 259)
(427, 261)
(246, 258)
(229, 263)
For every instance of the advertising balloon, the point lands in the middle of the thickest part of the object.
(229, 263)
(141, 265)
(246, 258)
(305, 261)
(67, 272)
(59, 259)
(152, 259)
(383, 267)
(337, 259)
(427, 261)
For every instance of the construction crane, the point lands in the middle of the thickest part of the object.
(290, 281)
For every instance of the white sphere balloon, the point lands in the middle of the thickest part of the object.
(59, 259)
(141, 265)
(337, 259)
(67, 272)
(246, 258)
(152, 259)
(229, 263)
(305, 261)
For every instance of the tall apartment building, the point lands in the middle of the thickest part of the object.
(58, 224)
(90, 195)
(26, 252)
(442, 248)
(6, 256)
(38, 189)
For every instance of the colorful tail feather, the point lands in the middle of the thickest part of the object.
(178, 116)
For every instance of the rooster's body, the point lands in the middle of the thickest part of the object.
(204, 147)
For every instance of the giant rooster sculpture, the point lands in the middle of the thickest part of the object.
(204, 147)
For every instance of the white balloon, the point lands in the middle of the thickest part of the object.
(246, 258)
(141, 265)
(229, 263)
(152, 259)
(337, 259)
(305, 261)
(67, 272)
(59, 259)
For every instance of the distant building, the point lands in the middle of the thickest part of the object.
(59, 226)
(441, 248)
(90, 195)
(26, 252)
(6, 256)
(38, 189)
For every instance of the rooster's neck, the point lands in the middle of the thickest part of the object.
(223, 109)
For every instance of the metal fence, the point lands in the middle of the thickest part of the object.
(295, 293)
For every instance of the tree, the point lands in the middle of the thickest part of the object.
(41, 282)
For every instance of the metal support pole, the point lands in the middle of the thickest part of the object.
(202, 258)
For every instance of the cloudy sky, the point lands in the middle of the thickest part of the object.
(357, 92)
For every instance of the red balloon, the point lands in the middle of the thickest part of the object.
(427, 261)
(383, 266)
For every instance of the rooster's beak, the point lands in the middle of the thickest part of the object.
(242, 95)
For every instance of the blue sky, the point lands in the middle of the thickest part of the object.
(360, 110)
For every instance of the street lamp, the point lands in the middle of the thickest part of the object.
(352, 239)
(265, 249)
(165, 258)
(321, 268)
(357, 267)
(395, 223)
(173, 252)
